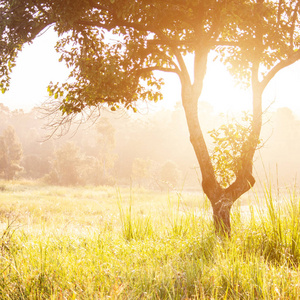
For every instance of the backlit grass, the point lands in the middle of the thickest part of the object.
(122, 243)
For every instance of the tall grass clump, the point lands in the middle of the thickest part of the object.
(279, 219)
(134, 227)
(186, 222)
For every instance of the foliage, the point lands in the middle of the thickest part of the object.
(143, 170)
(281, 132)
(113, 47)
(66, 165)
(170, 174)
(268, 37)
(70, 166)
(227, 155)
(35, 166)
(10, 154)
(105, 147)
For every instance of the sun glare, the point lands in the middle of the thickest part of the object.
(220, 90)
(38, 64)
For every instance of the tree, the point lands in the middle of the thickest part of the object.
(10, 154)
(35, 166)
(105, 146)
(254, 38)
(143, 171)
(170, 174)
(66, 165)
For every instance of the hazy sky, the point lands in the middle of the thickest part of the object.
(38, 64)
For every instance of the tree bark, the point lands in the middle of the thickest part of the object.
(221, 215)
(222, 199)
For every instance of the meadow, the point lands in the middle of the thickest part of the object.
(132, 243)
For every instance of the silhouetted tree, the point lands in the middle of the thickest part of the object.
(10, 154)
(105, 137)
(35, 166)
(66, 167)
(89, 171)
(255, 39)
(170, 174)
(143, 171)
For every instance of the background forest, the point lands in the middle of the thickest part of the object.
(150, 150)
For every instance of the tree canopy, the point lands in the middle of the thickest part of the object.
(146, 36)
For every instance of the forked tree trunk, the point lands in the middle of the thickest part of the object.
(221, 199)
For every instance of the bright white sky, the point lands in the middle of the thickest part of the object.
(38, 64)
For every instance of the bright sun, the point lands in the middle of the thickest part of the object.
(220, 90)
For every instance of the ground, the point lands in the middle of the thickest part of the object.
(127, 243)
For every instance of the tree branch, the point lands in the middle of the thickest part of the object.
(99, 6)
(282, 64)
(200, 62)
(279, 11)
(159, 68)
(171, 42)
(183, 71)
(116, 23)
(294, 19)
(225, 43)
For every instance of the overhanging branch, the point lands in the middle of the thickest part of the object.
(99, 6)
(294, 19)
(168, 41)
(116, 23)
(282, 64)
(158, 68)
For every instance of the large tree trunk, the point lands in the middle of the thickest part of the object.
(221, 199)
(221, 215)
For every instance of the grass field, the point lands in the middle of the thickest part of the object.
(122, 243)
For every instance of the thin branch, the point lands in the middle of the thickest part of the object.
(183, 72)
(282, 64)
(159, 68)
(96, 24)
(162, 54)
(279, 11)
(200, 62)
(294, 19)
(171, 42)
(116, 23)
(58, 124)
(99, 6)
(225, 43)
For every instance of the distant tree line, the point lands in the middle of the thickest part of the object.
(90, 157)
(152, 151)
